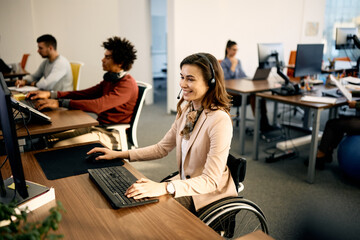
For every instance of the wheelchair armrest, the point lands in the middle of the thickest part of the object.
(170, 176)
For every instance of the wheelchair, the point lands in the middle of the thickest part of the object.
(232, 217)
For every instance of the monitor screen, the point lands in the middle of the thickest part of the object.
(344, 38)
(267, 52)
(10, 138)
(308, 59)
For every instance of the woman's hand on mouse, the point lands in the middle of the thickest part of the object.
(109, 154)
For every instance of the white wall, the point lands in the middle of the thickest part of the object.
(193, 26)
(80, 27)
(206, 25)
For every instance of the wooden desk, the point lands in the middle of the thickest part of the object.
(245, 87)
(18, 74)
(295, 100)
(61, 120)
(90, 216)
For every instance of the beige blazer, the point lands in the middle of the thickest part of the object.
(207, 175)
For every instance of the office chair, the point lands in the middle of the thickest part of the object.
(128, 132)
(236, 102)
(346, 59)
(291, 68)
(76, 72)
(24, 60)
(232, 217)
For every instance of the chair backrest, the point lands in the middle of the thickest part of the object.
(132, 131)
(76, 72)
(291, 70)
(24, 60)
(237, 168)
(292, 58)
(292, 61)
(347, 59)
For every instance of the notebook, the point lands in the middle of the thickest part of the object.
(261, 74)
(318, 99)
(342, 88)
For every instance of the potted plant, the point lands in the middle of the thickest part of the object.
(19, 227)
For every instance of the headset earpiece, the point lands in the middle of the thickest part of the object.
(212, 81)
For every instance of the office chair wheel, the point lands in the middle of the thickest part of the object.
(234, 217)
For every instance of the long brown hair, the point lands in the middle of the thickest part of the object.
(216, 97)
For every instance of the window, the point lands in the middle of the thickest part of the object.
(340, 13)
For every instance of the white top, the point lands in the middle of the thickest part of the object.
(184, 147)
(56, 75)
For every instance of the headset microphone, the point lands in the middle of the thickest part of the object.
(178, 97)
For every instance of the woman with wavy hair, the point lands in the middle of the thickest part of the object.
(201, 134)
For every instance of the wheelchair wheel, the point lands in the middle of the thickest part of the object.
(234, 217)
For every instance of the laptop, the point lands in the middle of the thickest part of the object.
(261, 74)
(29, 111)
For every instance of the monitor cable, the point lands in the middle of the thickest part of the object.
(278, 154)
(25, 125)
(2, 184)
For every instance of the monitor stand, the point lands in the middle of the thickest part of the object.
(9, 195)
(289, 89)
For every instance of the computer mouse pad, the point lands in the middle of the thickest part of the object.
(70, 161)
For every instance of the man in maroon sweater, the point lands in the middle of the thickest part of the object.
(113, 99)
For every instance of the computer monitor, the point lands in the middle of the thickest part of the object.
(267, 54)
(344, 38)
(10, 138)
(308, 59)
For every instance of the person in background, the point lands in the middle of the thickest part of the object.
(201, 135)
(54, 73)
(113, 100)
(334, 131)
(233, 70)
(230, 64)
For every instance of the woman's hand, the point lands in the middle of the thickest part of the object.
(146, 188)
(109, 154)
(234, 63)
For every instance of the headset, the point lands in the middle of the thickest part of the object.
(111, 76)
(211, 82)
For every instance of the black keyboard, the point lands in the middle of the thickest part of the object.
(113, 182)
(29, 102)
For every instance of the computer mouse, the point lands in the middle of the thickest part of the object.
(91, 157)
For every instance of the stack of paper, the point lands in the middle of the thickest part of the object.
(24, 89)
(317, 99)
(352, 87)
(352, 80)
